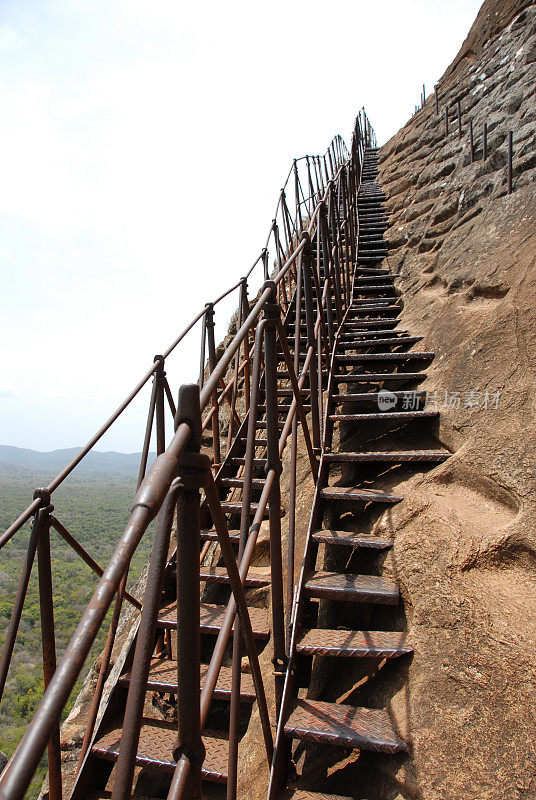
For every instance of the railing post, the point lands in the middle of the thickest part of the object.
(244, 314)
(297, 193)
(471, 142)
(159, 378)
(203, 348)
(234, 711)
(209, 317)
(307, 268)
(132, 720)
(273, 462)
(189, 741)
(48, 637)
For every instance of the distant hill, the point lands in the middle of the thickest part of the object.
(95, 463)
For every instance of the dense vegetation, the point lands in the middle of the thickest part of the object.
(93, 505)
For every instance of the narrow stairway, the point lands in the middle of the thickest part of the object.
(348, 620)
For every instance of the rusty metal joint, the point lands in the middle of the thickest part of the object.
(44, 496)
(209, 315)
(275, 466)
(160, 372)
(194, 752)
(273, 288)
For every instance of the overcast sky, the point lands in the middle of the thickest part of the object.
(142, 148)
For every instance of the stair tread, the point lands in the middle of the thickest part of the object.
(353, 493)
(257, 577)
(378, 342)
(369, 377)
(212, 618)
(163, 678)
(302, 794)
(411, 354)
(386, 415)
(351, 539)
(346, 726)
(372, 397)
(212, 535)
(390, 455)
(341, 586)
(320, 641)
(157, 741)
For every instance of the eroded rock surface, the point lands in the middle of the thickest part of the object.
(465, 537)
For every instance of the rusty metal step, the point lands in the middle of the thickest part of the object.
(372, 397)
(212, 536)
(212, 618)
(351, 539)
(389, 456)
(345, 726)
(364, 311)
(364, 280)
(353, 644)
(372, 271)
(301, 794)
(395, 341)
(360, 358)
(235, 507)
(385, 416)
(360, 334)
(353, 588)
(365, 291)
(256, 577)
(163, 678)
(156, 745)
(378, 377)
(348, 493)
(237, 483)
(361, 325)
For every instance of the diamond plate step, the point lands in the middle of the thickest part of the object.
(345, 726)
(163, 678)
(412, 355)
(256, 578)
(396, 340)
(372, 397)
(353, 588)
(237, 483)
(353, 644)
(378, 377)
(385, 416)
(348, 493)
(212, 536)
(392, 457)
(212, 619)
(351, 539)
(156, 746)
(301, 794)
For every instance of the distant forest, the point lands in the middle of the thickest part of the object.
(93, 504)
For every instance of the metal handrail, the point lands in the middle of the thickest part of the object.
(155, 485)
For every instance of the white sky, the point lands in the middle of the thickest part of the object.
(117, 116)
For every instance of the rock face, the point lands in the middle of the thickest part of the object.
(465, 541)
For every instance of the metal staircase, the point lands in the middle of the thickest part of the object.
(309, 361)
(341, 584)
